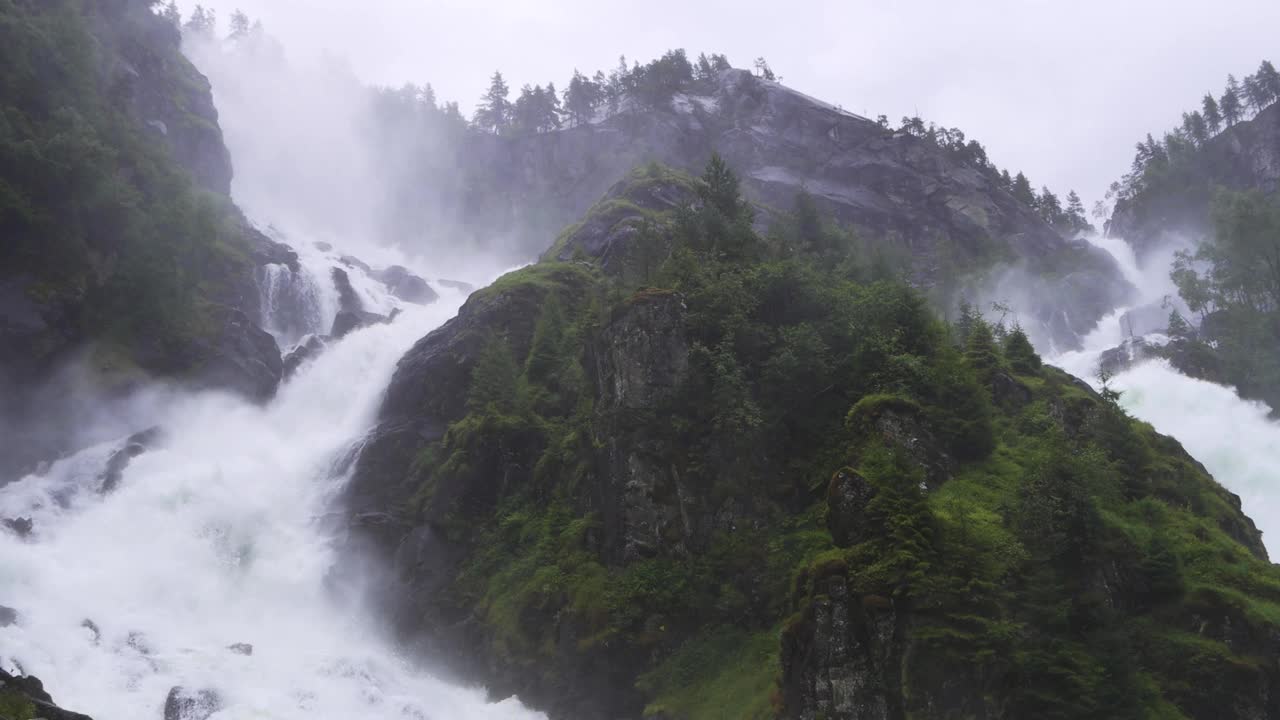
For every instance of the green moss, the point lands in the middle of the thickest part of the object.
(16, 706)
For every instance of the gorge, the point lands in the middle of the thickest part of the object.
(714, 438)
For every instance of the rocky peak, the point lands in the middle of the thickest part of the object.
(907, 195)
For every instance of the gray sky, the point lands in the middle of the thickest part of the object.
(1061, 90)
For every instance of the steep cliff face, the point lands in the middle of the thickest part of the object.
(124, 257)
(762, 489)
(144, 72)
(913, 199)
(1245, 156)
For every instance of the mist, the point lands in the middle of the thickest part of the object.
(1058, 90)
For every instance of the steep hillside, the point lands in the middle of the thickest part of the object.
(693, 472)
(123, 253)
(1176, 202)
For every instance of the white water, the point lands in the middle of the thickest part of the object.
(213, 539)
(1234, 438)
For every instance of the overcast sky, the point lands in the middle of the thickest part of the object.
(1059, 89)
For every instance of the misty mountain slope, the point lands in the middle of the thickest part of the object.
(1175, 204)
(1219, 199)
(949, 218)
(122, 248)
(694, 472)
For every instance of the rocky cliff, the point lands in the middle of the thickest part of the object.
(751, 483)
(124, 258)
(1245, 156)
(946, 218)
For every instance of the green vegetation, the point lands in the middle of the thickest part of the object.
(1030, 536)
(1233, 283)
(96, 215)
(1173, 166)
(16, 706)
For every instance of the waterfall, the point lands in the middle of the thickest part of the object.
(211, 541)
(1233, 437)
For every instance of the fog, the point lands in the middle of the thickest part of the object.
(1059, 90)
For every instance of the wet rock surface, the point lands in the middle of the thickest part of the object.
(191, 704)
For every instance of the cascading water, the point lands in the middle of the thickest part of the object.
(211, 539)
(1234, 438)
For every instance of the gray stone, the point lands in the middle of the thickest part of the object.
(186, 704)
(405, 285)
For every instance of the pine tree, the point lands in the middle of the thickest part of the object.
(494, 113)
(202, 22)
(551, 108)
(1075, 213)
(1022, 191)
(719, 187)
(172, 14)
(1199, 130)
(1212, 117)
(1230, 105)
(1178, 328)
(1269, 79)
(1255, 94)
(580, 99)
(763, 70)
(240, 25)
(980, 353)
(702, 70)
(1049, 206)
(495, 379)
(1018, 351)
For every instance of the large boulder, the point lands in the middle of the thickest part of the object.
(187, 704)
(239, 356)
(310, 348)
(134, 446)
(351, 312)
(406, 286)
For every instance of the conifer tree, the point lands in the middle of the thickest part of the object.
(202, 22)
(719, 187)
(1269, 80)
(1254, 94)
(240, 25)
(1230, 105)
(966, 320)
(1199, 130)
(980, 352)
(1050, 207)
(551, 110)
(1212, 117)
(1018, 351)
(1075, 213)
(494, 113)
(1178, 328)
(171, 13)
(1022, 191)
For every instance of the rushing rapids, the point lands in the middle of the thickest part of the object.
(1234, 438)
(203, 563)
